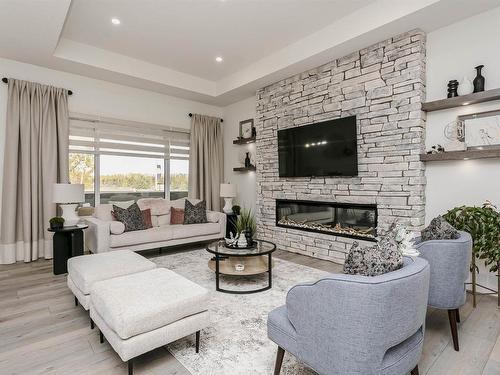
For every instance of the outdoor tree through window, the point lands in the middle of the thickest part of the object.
(81, 171)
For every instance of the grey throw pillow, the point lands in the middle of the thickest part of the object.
(439, 229)
(131, 217)
(375, 260)
(195, 213)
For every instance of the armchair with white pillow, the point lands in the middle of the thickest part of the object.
(107, 234)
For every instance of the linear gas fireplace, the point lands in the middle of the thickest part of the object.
(339, 219)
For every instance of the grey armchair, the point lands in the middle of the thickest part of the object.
(349, 324)
(449, 261)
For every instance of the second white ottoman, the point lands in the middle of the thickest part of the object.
(144, 311)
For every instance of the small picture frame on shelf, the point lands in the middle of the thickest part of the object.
(482, 130)
(246, 129)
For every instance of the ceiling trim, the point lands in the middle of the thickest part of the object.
(118, 63)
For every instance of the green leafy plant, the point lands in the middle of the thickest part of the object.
(56, 222)
(246, 222)
(236, 209)
(483, 224)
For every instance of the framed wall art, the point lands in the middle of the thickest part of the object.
(246, 128)
(482, 130)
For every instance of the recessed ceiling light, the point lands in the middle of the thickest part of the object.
(115, 21)
(219, 59)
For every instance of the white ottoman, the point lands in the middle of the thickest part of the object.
(85, 270)
(144, 311)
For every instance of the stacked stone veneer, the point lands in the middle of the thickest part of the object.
(384, 86)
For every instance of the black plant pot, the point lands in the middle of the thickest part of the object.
(55, 226)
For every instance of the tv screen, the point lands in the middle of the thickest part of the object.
(326, 148)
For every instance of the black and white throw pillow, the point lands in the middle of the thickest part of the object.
(439, 229)
(383, 257)
(131, 217)
(195, 213)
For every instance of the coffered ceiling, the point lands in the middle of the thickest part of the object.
(170, 46)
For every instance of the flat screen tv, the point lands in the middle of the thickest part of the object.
(326, 148)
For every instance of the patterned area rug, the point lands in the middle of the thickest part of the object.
(236, 342)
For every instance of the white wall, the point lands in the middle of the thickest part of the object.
(234, 155)
(102, 98)
(453, 52)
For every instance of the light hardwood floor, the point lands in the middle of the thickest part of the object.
(42, 332)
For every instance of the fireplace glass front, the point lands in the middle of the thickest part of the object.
(339, 219)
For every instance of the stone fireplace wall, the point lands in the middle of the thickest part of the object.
(384, 86)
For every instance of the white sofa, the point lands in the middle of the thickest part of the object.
(99, 237)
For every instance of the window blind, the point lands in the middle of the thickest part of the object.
(99, 135)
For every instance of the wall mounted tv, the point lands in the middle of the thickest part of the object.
(326, 148)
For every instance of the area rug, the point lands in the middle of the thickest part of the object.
(236, 341)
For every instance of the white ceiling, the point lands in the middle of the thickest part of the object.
(169, 46)
(188, 35)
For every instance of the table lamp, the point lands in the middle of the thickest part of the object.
(68, 196)
(228, 192)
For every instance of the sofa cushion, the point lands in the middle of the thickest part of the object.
(193, 230)
(155, 234)
(176, 216)
(158, 206)
(439, 229)
(139, 303)
(163, 220)
(131, 217)
(195, 213)
(85, 270)
(103, 212)
(146, 217)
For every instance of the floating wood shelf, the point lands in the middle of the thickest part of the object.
(245, 169)
(244, 141)
(478, 97)
(461, 155)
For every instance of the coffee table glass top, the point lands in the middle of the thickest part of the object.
(260, 247)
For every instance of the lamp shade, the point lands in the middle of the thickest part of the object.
(68, 193)
(227, 190)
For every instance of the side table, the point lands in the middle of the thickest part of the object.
(67, 243)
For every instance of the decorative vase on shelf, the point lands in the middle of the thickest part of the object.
(465, 87)
(452, 88)
(247, 160)
(479, 80)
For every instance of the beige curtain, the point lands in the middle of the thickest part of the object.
(36, 156)
(206, 160)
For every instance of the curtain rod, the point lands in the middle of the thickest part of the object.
(6, 80)
(191, 115)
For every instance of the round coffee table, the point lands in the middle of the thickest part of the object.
(256, 260)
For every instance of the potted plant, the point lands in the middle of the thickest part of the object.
(236, 209)
(56, 222)
(483, 224)
(246, 224)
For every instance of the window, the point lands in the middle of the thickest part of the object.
(118, 160)
(179, 170)
(81, 171)
(124, 178)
